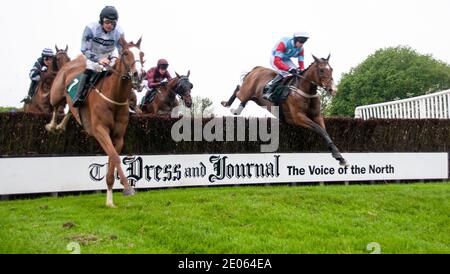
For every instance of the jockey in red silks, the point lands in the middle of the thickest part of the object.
(284, 50)
(156, 76)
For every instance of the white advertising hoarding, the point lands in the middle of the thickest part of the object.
(61, 174)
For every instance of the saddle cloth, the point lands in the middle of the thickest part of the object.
(73, 85)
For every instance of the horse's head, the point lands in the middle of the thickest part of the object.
(132, 59)
(60, 58)
(322, 74)
(183, 88)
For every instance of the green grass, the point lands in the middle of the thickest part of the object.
(402, 218)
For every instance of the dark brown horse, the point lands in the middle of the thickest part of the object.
(40, 103)
(166, 97)
(302, 105)
(104, 114)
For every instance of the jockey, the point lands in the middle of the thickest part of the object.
(41, 65)
(284, 50)
(99, 41)
(156, 76)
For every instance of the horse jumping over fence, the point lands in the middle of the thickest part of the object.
(166, 97)
(301, 106)
(40, 103)
(104, 114)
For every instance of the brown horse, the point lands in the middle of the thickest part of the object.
(104, 114)
(166, 97)
(302, 105)
(40, 103)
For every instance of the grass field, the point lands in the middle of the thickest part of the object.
(401, 218)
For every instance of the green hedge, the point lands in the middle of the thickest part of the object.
(24, 134)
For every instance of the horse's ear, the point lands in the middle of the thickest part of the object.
(189, 73)
(56, 47)
(138, 44)
(315, 58)
(328, 58)
(178, 76)
(67, 48)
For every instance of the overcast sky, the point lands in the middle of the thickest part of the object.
(220, 40)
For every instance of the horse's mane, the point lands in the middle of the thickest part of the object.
(54, 64)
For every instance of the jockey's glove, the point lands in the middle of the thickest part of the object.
(44, 69)
(293, 71)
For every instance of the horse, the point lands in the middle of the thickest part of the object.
(134, 108)
(104, 114)
(302, 105)
(40, 103)
(165, 99)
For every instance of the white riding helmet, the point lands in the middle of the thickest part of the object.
(301, 34)
(301, 37)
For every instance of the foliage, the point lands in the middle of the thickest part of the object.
(199, 107)
(8, 109)
(389, 74)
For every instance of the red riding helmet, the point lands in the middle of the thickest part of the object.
(162, 63)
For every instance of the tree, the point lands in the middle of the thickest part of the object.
(198, 108)
(8, 109)
(389, 74)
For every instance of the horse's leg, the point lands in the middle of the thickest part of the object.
(62, 126)
(118, 145)
(52, 125)
(102, 136)
(331, 146)
(110, 184)
(243, 100)
(302, 120)
(232, 98)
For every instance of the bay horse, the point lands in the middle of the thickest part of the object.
(302, 105)
(40, 103)
(166, 96)
(104, 114)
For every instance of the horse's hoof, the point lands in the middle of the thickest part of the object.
(129, 192)
(60, 128)
(111, 205)
(49, 127)
(343, 162)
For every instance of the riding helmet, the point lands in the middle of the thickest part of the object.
(47, 52)
(301, 36)
(110, 13)
(162, 63)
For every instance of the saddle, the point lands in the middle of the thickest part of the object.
(281, 90)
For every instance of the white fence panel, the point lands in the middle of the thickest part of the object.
(435, 105)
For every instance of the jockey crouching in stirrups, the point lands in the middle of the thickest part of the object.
(284, 50)
(99, 41)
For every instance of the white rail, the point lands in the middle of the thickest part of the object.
(434, 105)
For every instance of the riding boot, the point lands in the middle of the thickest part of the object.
(268, 89)
(149, 96)
(80, 96)
(31, 92)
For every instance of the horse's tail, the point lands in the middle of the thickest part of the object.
(243, 76)
(232, 98)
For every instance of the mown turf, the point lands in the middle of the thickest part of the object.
(402, 218)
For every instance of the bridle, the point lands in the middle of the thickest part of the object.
(319, 85)
(128, 75)
(181, 89)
